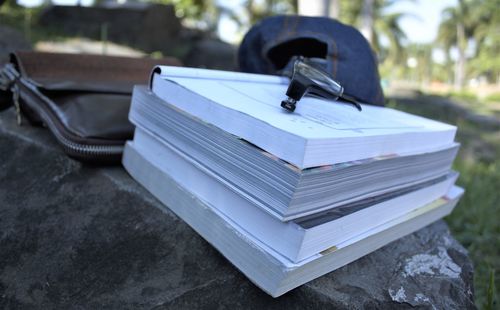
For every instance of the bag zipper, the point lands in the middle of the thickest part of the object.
(17, 106)
(88, 151)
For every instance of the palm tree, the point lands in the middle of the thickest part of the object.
(330, 8)
(422, 53)
(388, 25)
(446, 39)
(257, 10)
(486, 59)
(374, 23)
(455, 30)
(367, 19)
(476, 20)
(334, 8)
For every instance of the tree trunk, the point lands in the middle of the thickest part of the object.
(461, 60)
(367, 20)
(329, 8)
(334, 9)
(450, 78)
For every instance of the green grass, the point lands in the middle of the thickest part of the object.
(476, 220)
(464, 95)
(489, 105)
(494, 98)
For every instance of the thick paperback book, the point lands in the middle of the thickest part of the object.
(279, 188)
(318, 133)
(272, 272)
(286, 197)
(296, 239)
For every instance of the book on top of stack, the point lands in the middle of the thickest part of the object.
(286, 197)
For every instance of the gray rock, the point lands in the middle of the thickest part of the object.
(86, 237)
(11, 40)
(146, 26)
(212, 53)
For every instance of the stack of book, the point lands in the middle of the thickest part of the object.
(286, 197)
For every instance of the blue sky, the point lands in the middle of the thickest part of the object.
(420, 25)
(422, 21)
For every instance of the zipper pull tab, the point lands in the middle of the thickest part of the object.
(15, 98)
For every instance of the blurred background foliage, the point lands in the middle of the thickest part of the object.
(471, 24)
(461, 87)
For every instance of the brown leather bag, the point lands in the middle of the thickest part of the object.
(82, 99)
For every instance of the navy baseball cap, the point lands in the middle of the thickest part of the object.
(269, 47)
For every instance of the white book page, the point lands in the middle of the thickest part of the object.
(260, 96)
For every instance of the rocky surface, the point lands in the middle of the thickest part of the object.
(211, 53)
(86, 237)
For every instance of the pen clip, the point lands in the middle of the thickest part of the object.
(307, 79)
